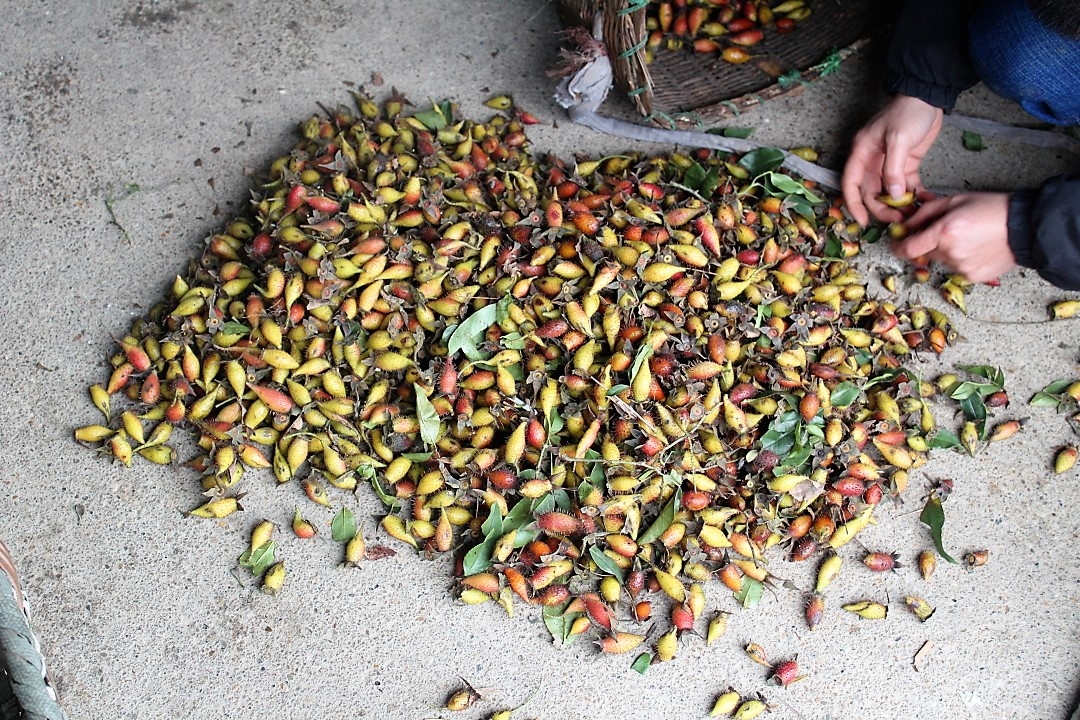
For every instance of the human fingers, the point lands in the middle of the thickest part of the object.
(856, 177)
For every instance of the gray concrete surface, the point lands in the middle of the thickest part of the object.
(136, 605)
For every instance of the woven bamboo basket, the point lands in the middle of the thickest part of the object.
(683, 87)
(26, 689)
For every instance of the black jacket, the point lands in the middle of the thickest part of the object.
(928, 59)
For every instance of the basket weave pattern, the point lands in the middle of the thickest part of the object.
(704, 86)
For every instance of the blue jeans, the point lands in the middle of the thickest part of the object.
(1020, 59)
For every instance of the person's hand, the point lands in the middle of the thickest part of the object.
(885, 156)
(967, 232)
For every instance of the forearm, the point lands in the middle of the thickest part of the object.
(928, 57)
(1044, 230)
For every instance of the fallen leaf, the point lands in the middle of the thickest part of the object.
(920, 657)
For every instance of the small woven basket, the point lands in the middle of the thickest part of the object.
(26, 690)
(684, 87)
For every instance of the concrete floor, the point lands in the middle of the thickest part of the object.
(136, 605)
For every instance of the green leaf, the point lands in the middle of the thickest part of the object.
(558, 621)
(343, 526)
(663, 520)
(555, 423)
(973, 141)
(493, 524)
(520, 514)
(844, 394)
(641, 663)
(738, 132)
(605, 563)
(1052, 395)
(432, 119)
(502, 308)
(694, 176)
(513, 341)
(596, 474)
(780, 437)
(544, 504)
(974, 408)
(749, 594)
(710, 183)
(942, 439)
(763, 160)
(471, 331)
(872, 235)
(788, 185)
(417, 457)
(834, 247)
(804, 208)
(616, 389)
(387, 499)
(991, 373)
(429, 419)
(234, 328)
(797, 458)
(643, 354)
(478, 559)
(259, 559)
(933, 516)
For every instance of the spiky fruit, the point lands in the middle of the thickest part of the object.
(881, 562)
(558, 523)
(785, 673)
(927, 564)
(815, 610)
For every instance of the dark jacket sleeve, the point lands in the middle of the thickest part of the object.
(1044, 230)
(928, 57)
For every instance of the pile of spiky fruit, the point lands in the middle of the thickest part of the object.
(723, 27)
(589, 381)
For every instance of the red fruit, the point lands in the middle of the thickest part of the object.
(448, 379)
(276, 400)
(151, 389)
(323, 204)
(741, 393)
(784, 25)
(175, 412)
(503, 478)
(295, 198)
(809, 405)
(694, 500)
(849, 487)
(748, 257)
(815, 610)
(643, 610)
(662, 365)
(138, 358)
(516, 581)
(747, 38)
(994, 400)
(598, 611)
(765, 461)
(804, 549)
(682, 618)
(535, 434)
(785, 673)
(881, 561)
(823, 371)
(558, 523)
(652, 446)
(740, 25)
(553, 595)
(873, 494)
(553, 329)
(635, 583)
(823, 527)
